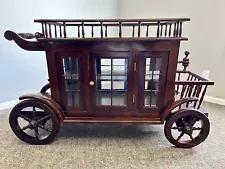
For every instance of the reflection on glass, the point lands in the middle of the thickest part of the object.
(103, 98)
(70, 65)
(119, 85)
(111, 76)
(152, 76)
(73, 98)
(71, 78)
(72, 84)
(150, 98)
(119, 98)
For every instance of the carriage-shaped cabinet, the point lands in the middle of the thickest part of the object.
(112, 71)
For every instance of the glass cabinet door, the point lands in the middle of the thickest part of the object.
(72, 81)
(112, 81)
(152, 78)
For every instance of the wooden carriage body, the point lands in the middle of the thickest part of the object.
(109, 70)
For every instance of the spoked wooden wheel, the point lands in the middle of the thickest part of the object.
(187, 128)
(34, 122)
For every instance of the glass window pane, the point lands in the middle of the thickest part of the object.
(104, 70)
(151, 85)
(119, 85)
(150, 98)
(72, 84)
(119, 98)
(73, 98)
(70, 66)
(119, 78)
(152, 77)
(120, 62)
(104, 85)
(105, 61)
(152, 64)
(103, 98)
(119, 69)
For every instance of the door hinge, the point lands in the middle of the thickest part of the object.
(135, 65)
(133, 98)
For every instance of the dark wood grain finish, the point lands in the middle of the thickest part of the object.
(57, 45)
(46, 100)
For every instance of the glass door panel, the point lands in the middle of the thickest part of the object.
(152, 78)
(111, 80)
(110, 74)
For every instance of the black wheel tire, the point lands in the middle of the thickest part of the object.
(25, 137)
(187, 113)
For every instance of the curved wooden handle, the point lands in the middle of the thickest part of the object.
(24, 44)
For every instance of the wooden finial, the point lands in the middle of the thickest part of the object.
(185, 62)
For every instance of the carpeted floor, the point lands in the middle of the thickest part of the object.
(114, 147)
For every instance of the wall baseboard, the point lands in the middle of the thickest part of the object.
(210, 99)
(214, 100)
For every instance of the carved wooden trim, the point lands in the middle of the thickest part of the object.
(24, 44)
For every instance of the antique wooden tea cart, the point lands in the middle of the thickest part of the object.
(112, 71)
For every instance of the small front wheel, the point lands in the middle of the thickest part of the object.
(187, 128)
(34, 122)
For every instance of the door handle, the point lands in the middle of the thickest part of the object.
(91, 83)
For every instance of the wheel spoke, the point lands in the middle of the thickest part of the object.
(26, 127)
(181, 135)
(44, 128)
(197, 128)
(191, 136)
(177, 128)
(24, 117)
(34, 113)
(192, 122)
(43, 119)
(36, 133)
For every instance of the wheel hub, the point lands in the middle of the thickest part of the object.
(188, 129)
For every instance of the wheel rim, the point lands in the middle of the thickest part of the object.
(192, 127)
(34, 122)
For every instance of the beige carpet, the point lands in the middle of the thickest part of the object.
(114, 147)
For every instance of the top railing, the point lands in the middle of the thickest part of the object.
(104, 28)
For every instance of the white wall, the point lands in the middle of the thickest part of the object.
(205, 32)
(23, 72)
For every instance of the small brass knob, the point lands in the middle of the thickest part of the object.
(91, 83)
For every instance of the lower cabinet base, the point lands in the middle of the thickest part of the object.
(148, 120)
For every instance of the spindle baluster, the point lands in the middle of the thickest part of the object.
(43, 31)
(147, 31)
(83, 33)
(133, 30)
(64, 29)
(60, 31)
(158, 27)
(92, 31)
(46, 30)
(170, 29)
(106, 31)
(101, 29)
(161, 30)
(120, 29)
(180, 32)
(166, 30)
(55, 31)
(177, 32)
(50, 31)
(78, 31)
(139, 29)
(174, 30)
